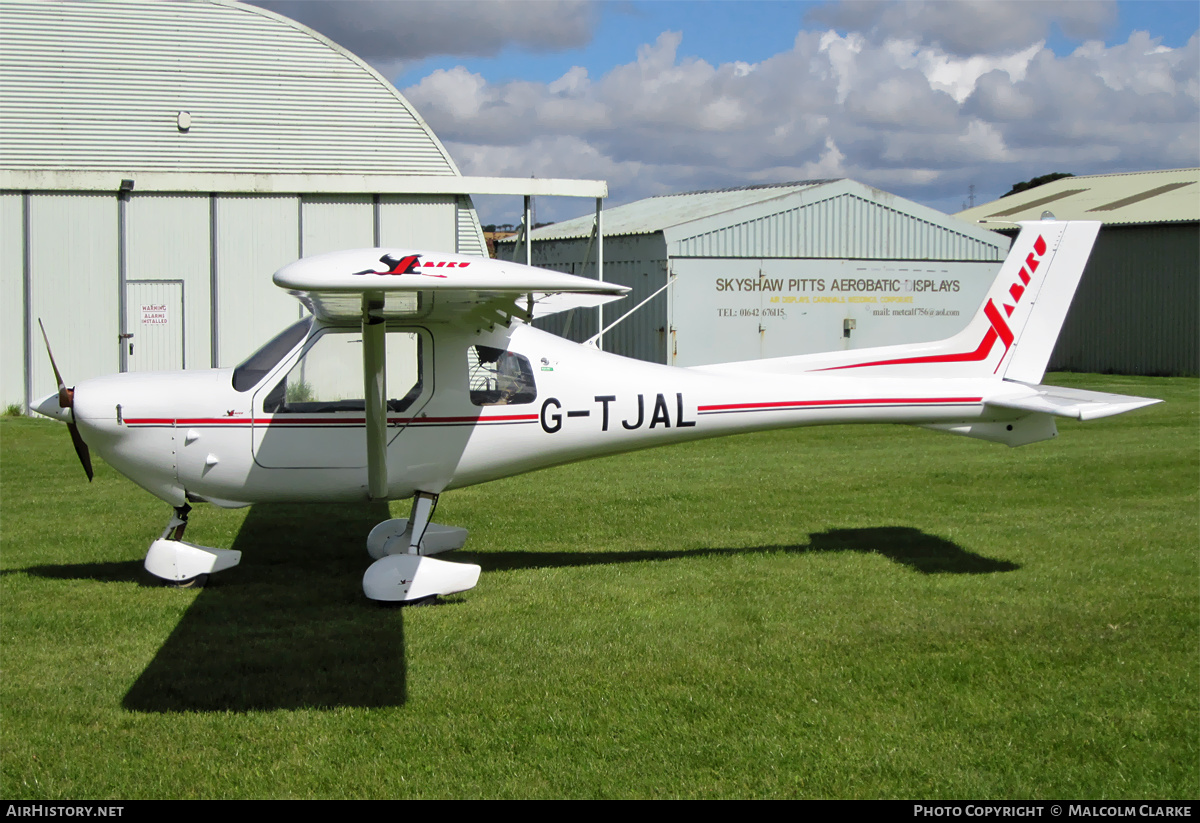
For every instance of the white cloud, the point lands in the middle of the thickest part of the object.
(900, 114)
(574, 82)
(968, 27)
(1148, 66)
(828, 164)
(842, 53)
(458, 92)
(958, 75)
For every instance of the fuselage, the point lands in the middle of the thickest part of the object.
(477, 405)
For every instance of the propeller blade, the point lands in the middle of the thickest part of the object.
(81, 449)
(66, 400)
(66, 397)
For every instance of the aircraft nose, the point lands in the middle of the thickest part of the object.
(48, 407)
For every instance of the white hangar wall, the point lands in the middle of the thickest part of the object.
(94, 265)
(12, 300)
(770, 271)
(160, 160)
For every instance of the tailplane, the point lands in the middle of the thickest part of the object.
(1077, 404)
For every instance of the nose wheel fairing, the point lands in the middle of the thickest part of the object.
(180, 562)
(176, 561)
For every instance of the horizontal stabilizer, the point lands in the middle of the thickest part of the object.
(1074, 403)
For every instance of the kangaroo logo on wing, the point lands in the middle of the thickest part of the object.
(411, 264)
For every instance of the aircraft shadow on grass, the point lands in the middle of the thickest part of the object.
(122, 571)
(290, 628)
(925, 553)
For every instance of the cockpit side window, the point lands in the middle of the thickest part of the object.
(255, 367)
(499, 378)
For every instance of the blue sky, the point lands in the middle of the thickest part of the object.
(922, 99)
(718, 32)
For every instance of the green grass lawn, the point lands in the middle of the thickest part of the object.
(833, 612)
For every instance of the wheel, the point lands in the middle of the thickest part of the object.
(382, 534)
(196, 582)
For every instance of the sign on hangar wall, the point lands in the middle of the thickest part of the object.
(736, 309)
(775, 270)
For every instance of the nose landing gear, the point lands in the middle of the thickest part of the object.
(186, 565)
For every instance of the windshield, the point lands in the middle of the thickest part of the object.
(255, 367)
(322, 380)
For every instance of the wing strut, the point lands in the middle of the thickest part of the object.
(374, 331)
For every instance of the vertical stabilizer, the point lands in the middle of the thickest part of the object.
(1046, 309)
(1015, 329)
(1011, 335)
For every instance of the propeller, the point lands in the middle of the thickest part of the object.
(66, 400)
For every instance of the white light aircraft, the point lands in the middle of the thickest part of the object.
(418, 373)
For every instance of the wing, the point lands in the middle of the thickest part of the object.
(435, 287)
(371, 286)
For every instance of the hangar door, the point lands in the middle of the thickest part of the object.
(154, 325)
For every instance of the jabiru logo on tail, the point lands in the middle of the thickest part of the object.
(998, 330)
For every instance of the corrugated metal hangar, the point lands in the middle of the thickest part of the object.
(159, 161)
(1137, 310)
(773, 270)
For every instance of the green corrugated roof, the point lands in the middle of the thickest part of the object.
(666, 210)
(1171, 196)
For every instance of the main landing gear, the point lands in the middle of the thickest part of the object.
(186, 564)
(403, 571)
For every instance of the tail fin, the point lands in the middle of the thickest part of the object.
(1013, 333)
(1046, 308)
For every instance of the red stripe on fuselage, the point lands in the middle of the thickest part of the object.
(874, 401)
(981, 353)
(318, 421)
(999, 327)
